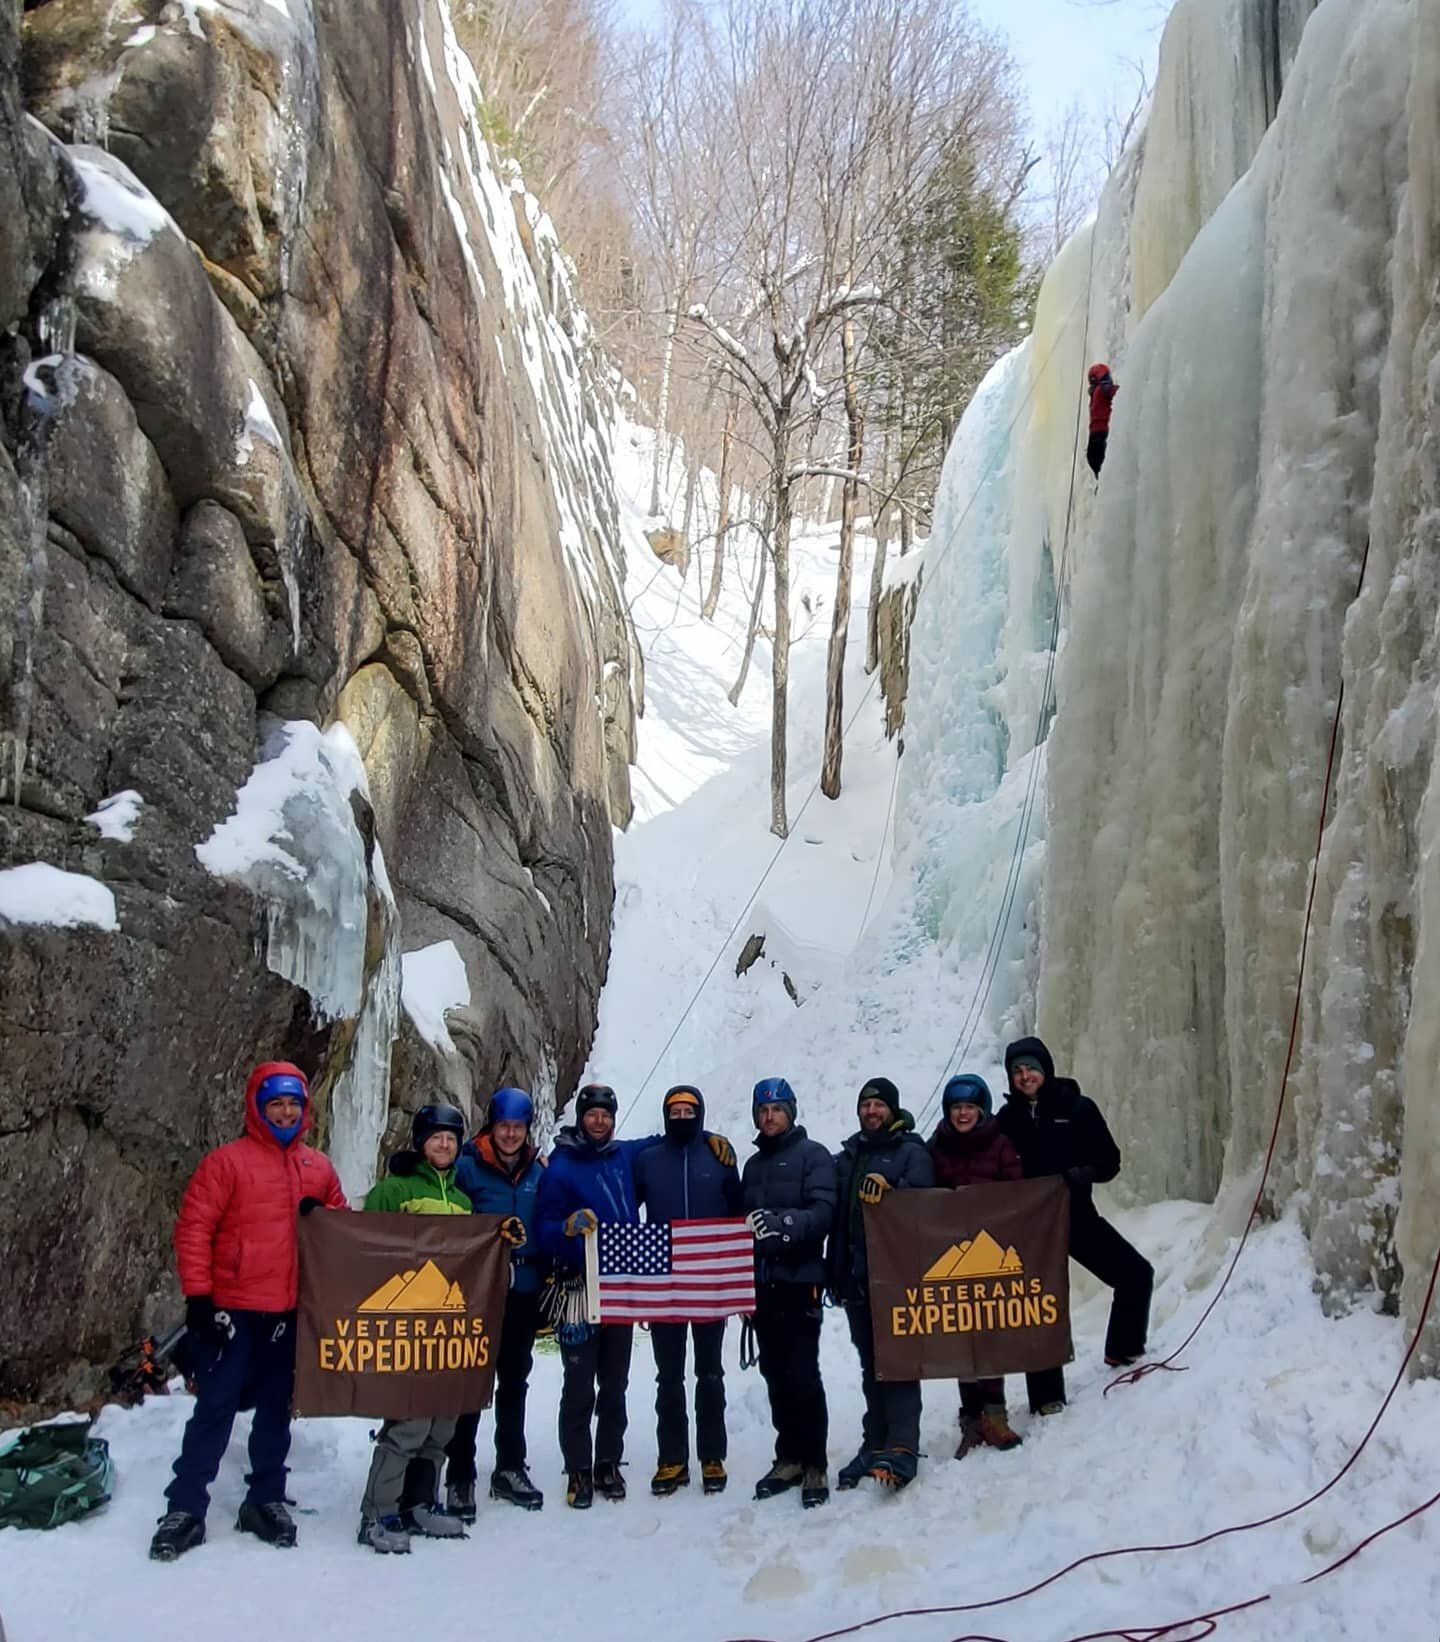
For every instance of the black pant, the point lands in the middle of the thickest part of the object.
(672, 1417)
(1104, 1253)
(256, 1368)
(512, 1382)
(1095, 452)
(1046, 1385)
(601, 1360)
(892, 1407)
(787, 1333)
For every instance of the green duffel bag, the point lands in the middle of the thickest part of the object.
(54, 1474)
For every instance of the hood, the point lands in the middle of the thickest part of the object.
(255, 1125)
(697, 1128)
(572, 1141)
(1029, 1046)
(483, 1146)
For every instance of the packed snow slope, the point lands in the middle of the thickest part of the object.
(1261, 276)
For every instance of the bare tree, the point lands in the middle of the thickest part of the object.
(840, 620)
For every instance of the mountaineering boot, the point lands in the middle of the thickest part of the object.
(389, 1536)
(995, 1430)
(814, 1486)
(433, 1523)
(712, 1476)
(782, 1475)
(178, 1532)
(460, 1501)
(893, 1468)
(850, 1473)
(516, 1488)
(270, 1522)
(1050, 1408)
(1122, 1362)
(669, 1478)
(609, 1481)
(580, 1490)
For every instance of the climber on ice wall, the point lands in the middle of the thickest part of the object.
(1103, 388)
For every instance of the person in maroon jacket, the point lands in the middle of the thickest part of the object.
(235, 1244)
(1103, 388)
(970, 1149)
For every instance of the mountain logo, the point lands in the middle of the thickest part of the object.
(981, 1256)
(427, 1289)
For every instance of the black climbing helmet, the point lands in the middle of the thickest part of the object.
(431, 1120)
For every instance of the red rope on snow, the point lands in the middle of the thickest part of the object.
(1133, 1376)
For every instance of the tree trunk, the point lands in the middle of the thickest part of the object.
(840, 622)
(722, 518)
(752, 629)
(780, 647)
(877, 568)
(662, 411)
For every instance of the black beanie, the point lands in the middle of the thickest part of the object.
(880, 1089)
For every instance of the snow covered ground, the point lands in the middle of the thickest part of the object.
(1273, 1401)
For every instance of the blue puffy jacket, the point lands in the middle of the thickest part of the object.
(582, 1176)
(492, 1190)
(684, 1180)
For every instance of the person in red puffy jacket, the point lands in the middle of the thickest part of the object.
(236, 1249)
(1102, 388)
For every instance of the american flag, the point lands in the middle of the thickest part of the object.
(677, 1271)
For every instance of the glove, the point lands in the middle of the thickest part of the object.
(872, 1188)
(763, 1223)
(1081, 1175)
(512, 1229)
(308, 1205)
(206, 1324)
(581, 1224)
(723, 1150)
(403, 1163)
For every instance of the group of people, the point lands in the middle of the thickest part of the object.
(236, 1245)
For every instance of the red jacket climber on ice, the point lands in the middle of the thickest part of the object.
(1103, 388)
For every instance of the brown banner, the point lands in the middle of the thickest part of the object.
(399, 1314)
(971, 1283)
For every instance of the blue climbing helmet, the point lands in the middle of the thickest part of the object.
(510, 1105)
(773, 1092)
(967, 1089)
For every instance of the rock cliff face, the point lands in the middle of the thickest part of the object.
(307, 538)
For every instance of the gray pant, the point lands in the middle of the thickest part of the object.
(399, 1442)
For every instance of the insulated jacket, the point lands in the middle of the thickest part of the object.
(492, 1189)
(899, 1155)
(582, 1176)
(795, 1176)
(1060, 1130)
(1102, 395)
(684, 1180)
(235, 1236)
(985, 1154)
(420, 1189)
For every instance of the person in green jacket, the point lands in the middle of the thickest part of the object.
(417, 1446)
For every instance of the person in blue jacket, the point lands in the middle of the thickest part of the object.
(500, 1172)
(687, 1178)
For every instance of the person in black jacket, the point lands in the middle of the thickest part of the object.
(688, 1178)
(882, 1155)
(788, 1193)
(1057, 1130)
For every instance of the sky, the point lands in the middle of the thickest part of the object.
(1066, 49)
